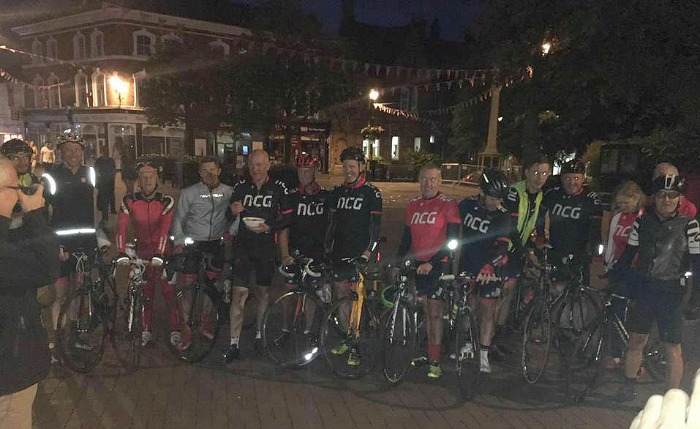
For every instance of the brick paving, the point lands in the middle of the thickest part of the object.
(252, 393)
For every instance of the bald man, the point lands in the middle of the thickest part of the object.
(28, 260)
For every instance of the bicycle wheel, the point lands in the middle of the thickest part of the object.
(399, 343)
(571, 317)
(291, 329)
(537, 336)
(197, 319)
(467, 353)
(128, 328)
(350, 352)
(82, 330)
(585, 363)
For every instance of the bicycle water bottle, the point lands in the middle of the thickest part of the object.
(227, 291)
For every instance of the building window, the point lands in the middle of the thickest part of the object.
(36, 52)
(79, 49)
(404, 101)
(81, 90)
(52, 49)
(395, 148)
(375, 145)
(432, 139)
(38, 92)
(219, 49)
(414, 99)
(144, 43)
(366, 148)
(97, 48)
(416, 144)
(54, 92)
(98, 89)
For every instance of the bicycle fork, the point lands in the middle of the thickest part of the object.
(356, 311)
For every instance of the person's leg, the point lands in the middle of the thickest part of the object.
(633, 355)
(149, 287)
(639, 321)
(436, 308)
(16, 409)
(239, 295)
(674, 373)
(502, 310)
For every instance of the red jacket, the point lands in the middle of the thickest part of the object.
(151, 219)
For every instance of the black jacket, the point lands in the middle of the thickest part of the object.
(28, 260)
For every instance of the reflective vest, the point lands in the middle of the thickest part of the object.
(526, 224)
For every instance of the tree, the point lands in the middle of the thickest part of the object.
(468, 131)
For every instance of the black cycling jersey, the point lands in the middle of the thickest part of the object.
(73, 199)
(270, 202)
(355, 219)
(574, 221)
(484, 234)
(309, 222)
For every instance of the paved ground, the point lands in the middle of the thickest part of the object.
(254, 394)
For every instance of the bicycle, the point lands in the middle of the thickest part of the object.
(87, 316)
(592, 346)
(292, 324)
(555, 318)
(352, 327)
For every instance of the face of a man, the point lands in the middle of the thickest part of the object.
(72, 154)
(148, 180)
(306, 176)
(352, 170)
(491, 203)
(572, 182)
(430, 182)
(666, 203)
(258, 165)
(536, 176)
(8, 187)
(21, 162)
(209, 173)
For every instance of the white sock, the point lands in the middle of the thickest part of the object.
(258, 335)
(234, 342)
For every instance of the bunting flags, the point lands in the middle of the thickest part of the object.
(4, 74)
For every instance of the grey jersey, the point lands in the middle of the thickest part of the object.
(201, 213)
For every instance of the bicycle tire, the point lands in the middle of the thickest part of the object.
(128, 329)
(571, 317)
(291, 329)
(467, 363)
(80, 340)
(584, 366)
(399, 343)
(368, 344)
(536, 341)
(197, 317)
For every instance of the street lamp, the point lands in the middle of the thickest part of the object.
(373, 95)
(119, 86)
(546, 47)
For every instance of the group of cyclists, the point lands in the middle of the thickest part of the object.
(258, 223)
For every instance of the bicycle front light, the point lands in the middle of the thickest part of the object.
(452, 244)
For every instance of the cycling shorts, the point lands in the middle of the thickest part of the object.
(662, 307)
(193, 255)
(83, 243)
(344, 271)
(428, 285)
(253, 259)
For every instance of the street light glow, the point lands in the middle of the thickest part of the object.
(546, 47)
(118, 84)
(373, 95)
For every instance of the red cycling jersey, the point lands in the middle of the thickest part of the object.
(428, 219)
(151, 220)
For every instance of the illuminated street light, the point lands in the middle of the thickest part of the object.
(373, 95)
(546, 47)
(119, 86)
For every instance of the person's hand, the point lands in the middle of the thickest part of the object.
(674, 410)
(228, 237)
(540, 241)
(32, 202)
(157, 260)
(361, 262)
(287, 260)
(425, 268)
(236, 207)
(122, 259)
(63, 254)
(486, 274)
(261, 229)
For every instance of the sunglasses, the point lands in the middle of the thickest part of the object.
(672, 195)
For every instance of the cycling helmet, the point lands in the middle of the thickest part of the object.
(352, 153)
(15, 147)
(494, 184)
(574, 166)
(142, 164)
(69, 137)
(669, 182)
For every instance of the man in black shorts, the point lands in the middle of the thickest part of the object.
(254, 250)
(668, 245)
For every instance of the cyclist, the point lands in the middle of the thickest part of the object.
(574, 217)
(20, 154)
(150, 213)
(685, 207)
(486, 227)
(309, 216)
(200, 216)
(71, 194)
(524, 203)
(353, 230)
(431, 221)
(667, 245)
(254, 250)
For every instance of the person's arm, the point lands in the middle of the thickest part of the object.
(405, 243)
(375, 223)
(165, 224)
(179, 218)
(285, 218)
(512, 205)
(595, 224)
(123, 224)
